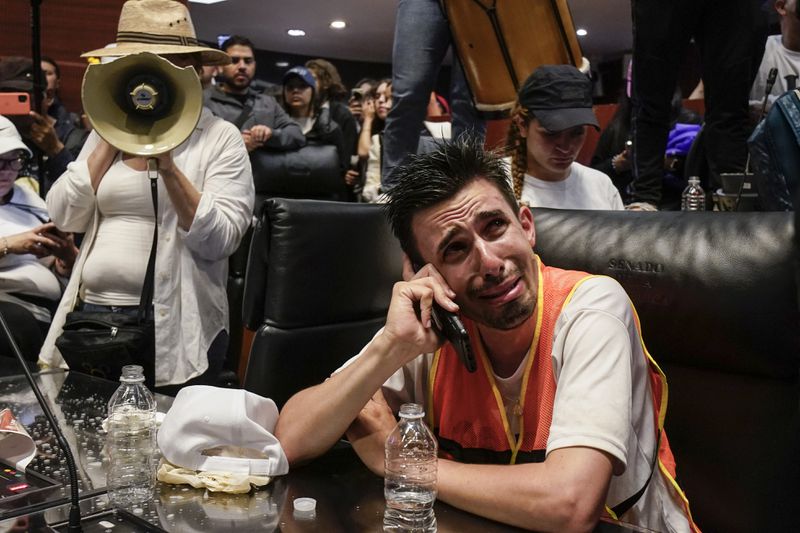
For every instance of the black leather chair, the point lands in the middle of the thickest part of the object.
(318, 284)
(717, 295)
(311, 172)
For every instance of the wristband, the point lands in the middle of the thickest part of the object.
(5, 247)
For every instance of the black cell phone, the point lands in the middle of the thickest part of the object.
(449, 326)
(357, 94)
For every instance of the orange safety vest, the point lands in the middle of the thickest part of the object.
(466, 409)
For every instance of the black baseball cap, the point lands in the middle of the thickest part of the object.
(559, 96)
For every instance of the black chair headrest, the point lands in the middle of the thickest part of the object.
(711, 289)
(324, 262)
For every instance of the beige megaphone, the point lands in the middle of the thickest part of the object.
(142, 104)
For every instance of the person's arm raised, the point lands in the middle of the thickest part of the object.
(315, 418)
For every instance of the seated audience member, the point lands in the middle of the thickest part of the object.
(563, 381)
(370, 138)
(299, 88)
(547, 131)
(783, 53)
(35, 257)
(263, 123)
(205, 204)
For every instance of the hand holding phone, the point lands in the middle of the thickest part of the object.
(449, 327)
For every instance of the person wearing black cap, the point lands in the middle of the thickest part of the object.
(547, 131)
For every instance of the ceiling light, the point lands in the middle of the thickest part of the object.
(338, 24)
(281, 64)
(296, 33)
(581, 32)
(206, 1)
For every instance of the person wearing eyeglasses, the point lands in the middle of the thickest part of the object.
(36, 258)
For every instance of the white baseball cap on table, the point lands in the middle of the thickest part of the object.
(211, 429)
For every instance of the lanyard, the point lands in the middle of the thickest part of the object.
(515, 442)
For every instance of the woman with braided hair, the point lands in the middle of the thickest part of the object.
(548, 129)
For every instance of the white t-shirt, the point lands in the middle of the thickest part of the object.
(115, 269)
(584, 188)
(775, 56)
(603, 398)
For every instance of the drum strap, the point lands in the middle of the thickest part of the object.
(491, 12)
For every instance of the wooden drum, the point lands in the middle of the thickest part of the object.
(501, 42)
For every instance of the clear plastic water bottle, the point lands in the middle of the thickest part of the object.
(410, 476)
(693, 197)
(131, 440)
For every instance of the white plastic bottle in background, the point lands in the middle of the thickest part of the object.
(693, 197)
(131, 440)
(410, 476)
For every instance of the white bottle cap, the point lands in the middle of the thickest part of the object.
(305, 508)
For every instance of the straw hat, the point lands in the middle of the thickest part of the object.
(161, 27)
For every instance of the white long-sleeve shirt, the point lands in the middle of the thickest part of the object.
(190, 301)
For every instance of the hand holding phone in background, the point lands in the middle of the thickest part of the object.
(16, 107)
(15, 104)
(43, 134)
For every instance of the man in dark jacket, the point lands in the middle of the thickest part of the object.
(263, 123)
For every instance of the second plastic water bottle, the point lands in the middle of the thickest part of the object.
(693, 197)
(410, 477)
(131, 440)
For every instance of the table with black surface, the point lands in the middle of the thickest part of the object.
(349, 497)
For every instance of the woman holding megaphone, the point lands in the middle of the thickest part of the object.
(159, 175)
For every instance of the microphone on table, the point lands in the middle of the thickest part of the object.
(74, 508)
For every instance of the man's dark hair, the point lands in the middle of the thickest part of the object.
(425, 180)
(234, 40)
(48, 59)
